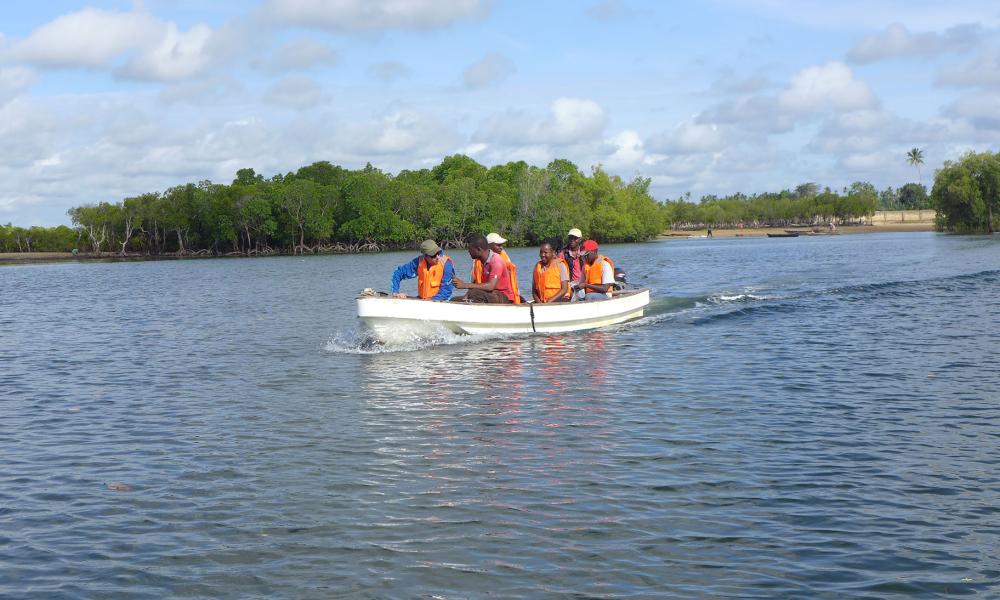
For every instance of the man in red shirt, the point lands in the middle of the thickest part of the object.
(495, 288)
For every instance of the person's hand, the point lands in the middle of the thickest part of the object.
(457, 282)
(399, 295)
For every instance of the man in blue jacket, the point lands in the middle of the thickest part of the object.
(433, 270)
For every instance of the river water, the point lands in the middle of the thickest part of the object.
(795, 418)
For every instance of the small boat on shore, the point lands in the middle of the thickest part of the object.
(782, 235)
(401, 319)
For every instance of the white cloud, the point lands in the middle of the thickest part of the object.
(981, 71)
(896, 41)
(296, 92)
(134, 45)
(689, 137)
(14, 81)
(831, 85)
(402, 131)
(628, 153)
(300, 55)
(982, 109)
(490, 69)
(390, 70)
(87, 38)
(178, 55)
(365, 15)
(571, 120)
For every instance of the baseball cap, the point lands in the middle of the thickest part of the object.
(575, 233)
(590, 246)
(494, 238)
(430, 248)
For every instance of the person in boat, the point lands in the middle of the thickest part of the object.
(433, 270)
(598, 277)
(495, 288)
(496, 243)
(572, 254)
(551, 276)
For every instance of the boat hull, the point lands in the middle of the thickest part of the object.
(398, 319)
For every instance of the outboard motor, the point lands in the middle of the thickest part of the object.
(621, 280)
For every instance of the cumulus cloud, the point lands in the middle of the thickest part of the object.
(390, 70)
(981, 71)
(689, 137)
(490, 69)
(896, 41)
(367, 15)
(982, 109)
(300, 55)
(87, 38)
(134, 45)
(399, 132)
(627, 152)
(831, 85)
(571, 120)
(295, 92)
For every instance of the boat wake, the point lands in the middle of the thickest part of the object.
(364, 341)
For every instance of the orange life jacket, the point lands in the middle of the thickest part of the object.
(547, 282)
(477, 274)
(429, 280)
(592, 273)
(477, 271)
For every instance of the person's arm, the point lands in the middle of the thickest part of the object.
(449, 272)
(563, 281)
(404, 271)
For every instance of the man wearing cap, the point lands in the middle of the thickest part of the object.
(496, 245)
(573, 255)
(495, 288)
(598, 274)
(433, 270)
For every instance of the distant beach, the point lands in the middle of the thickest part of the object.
(882, 222)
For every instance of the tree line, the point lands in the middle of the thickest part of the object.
(807, 203)
(327, 208)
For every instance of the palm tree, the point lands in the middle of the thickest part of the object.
(916, 158)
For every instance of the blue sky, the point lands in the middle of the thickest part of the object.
(105, 100)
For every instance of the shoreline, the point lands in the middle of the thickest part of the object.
(926, 226)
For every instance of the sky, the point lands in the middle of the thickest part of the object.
(105, 100)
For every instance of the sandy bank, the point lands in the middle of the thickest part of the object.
(882, 222)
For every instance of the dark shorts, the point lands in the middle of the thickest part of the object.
(483, 297)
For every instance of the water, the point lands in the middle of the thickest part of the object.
(796, 418)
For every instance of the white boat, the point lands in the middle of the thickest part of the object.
(402, 319)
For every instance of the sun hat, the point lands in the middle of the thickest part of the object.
(429, 248)
(494, 238)
(575, 233)
(590, 246)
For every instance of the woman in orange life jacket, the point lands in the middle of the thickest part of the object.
(496, 245)
(551, 277)
(433, 270)
(598, 274)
